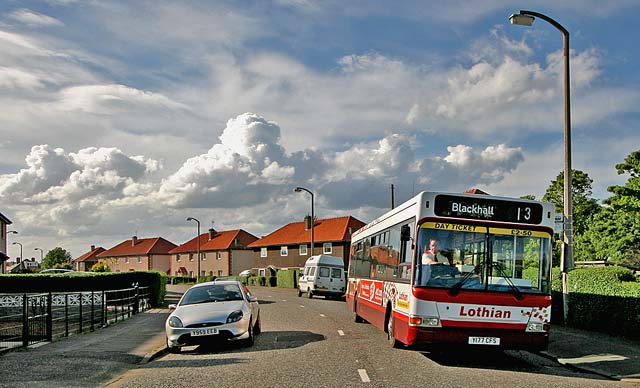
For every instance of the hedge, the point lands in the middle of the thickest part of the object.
(86, 281)
(288, 278)
(268, 281)
(605, 299)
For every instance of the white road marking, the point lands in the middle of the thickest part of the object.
(301, 306)
(592, 358)
(364, 376)
(322, 315)
(340, 332)
(284, 300)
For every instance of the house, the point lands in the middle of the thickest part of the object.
(4, 222)
(25, 266)
(290, 246)
(222, 253)
(145, 254)
(86, 261)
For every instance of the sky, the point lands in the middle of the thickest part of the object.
(122, 118)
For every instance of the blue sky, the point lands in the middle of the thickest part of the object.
(122, 118)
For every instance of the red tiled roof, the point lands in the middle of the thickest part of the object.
(325, 230)
(91, 255)
(221, 240)
(144, 246)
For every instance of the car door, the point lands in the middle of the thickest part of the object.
(253, 305)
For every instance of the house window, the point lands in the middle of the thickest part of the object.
(203, 256)
(220, 273)
(284, 250)
(261, 272)
(219, 255)
(263, 252)
(303, 249)
(191, 256)
(139, 259)
(117, 260)
(326, 248)
(190, 274)
(177, 257)
(126, 260)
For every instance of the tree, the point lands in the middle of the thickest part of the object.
(627, 197)
(100, 266)
(613, 234)
(584, 206)
(57, 258)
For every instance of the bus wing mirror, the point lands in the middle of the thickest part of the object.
(405, 233)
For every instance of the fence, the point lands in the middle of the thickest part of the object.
(26, 319)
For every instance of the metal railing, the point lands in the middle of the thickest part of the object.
(26, 319)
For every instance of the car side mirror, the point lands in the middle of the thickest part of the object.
(405, 233)
(172, 307)
(253, 299)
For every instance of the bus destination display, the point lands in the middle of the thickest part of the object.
(488, 209)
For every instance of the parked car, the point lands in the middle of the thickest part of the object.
(246, 272)
(57, 270)
(223, 309)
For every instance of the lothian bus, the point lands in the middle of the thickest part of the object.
(449, 270)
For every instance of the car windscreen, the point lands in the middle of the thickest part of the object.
(212, 293)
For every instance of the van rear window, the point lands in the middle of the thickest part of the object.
(323, 272)
(336, 273)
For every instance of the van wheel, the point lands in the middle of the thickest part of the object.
(299, 293)
(309, 294)
(250, 341)
(356, 317)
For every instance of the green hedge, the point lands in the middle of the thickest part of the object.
(264, 281)
(86, 281)
(288, 278)
(605, 299)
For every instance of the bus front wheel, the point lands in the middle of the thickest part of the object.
(356, 317)
(390, 337)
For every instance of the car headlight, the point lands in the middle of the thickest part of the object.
(234, 316)
(175, 322)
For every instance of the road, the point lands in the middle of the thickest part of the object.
(315, 343)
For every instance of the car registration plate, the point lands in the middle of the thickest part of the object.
(484, 340)
(201, 332)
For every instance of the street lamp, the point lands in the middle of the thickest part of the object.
(17, 243)
(198, 242)
(297, 190)
(41, 252)
(526, 18)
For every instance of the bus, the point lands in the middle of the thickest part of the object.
(448, 270)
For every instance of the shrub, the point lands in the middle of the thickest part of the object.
(287, 278)
(100, 266)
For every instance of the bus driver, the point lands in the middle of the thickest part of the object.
(432, 254)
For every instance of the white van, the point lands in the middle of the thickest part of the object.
(323, 275)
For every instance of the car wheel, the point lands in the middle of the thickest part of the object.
(299, 292)
(257, 328)
(250, 341)
(173, 349)
(356, 317)
(392, 340)
(309, 294)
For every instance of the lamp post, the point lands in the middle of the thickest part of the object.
(6, 238)
(41, 253)
(297, 190)
(198, 242)
(17, 243)
(526, 18)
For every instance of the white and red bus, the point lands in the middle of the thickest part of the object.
(489, 284)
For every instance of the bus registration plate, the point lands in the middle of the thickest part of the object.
(484, 340)
(201, 332)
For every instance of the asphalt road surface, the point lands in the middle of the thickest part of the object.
(315, 343)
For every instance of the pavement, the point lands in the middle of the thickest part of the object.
(103, 355)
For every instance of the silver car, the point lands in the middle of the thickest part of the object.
(214, 310)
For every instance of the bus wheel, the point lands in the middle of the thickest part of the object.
(392, 340)
(356, 317)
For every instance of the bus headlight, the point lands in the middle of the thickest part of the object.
(536, 327)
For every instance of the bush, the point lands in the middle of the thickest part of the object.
(287, 278)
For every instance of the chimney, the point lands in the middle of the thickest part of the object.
(212, 232)
(134, 241)
(93, 247)
(307, 222)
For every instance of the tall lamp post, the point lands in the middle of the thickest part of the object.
(41, 253)
(198, 242)
(526, 18)
(6, 237)
(297, 190)
(17, 243)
